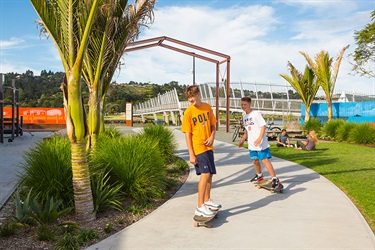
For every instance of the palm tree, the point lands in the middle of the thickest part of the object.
(322, 68)
(69, 25)
(117, 24)
(305, 84)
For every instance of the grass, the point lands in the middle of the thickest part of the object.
(350, 167)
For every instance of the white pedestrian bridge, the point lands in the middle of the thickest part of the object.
(172, 108)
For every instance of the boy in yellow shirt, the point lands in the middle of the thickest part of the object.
(198, 124)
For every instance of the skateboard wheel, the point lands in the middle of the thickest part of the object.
(196, 224)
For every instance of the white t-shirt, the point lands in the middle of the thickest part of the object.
(253, 123)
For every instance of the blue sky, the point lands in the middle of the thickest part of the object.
(260, 36)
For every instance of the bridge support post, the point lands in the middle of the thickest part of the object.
(166, 118)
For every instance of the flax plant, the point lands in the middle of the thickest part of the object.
(134, 162)
(164, 138)
(46, 170)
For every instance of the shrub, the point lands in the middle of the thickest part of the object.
(313, 124)
(47, 170)
(48, 211)
(23, 208)
(329, 130)
(363, 133)
(45, 233)
(68, 242)
(343, 131)
(105, 194)
(164, 137)
(8, 228)
(111, 132)
(133, 161)
(87, 234)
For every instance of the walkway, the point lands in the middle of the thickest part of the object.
(312, 213)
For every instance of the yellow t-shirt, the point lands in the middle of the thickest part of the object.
(198, 122)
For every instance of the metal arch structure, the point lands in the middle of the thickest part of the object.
(199, 52)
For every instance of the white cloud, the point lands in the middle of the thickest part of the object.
(246, 34)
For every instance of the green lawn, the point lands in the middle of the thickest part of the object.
(349, 167)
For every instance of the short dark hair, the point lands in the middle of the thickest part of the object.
(283, 130)
(246, 99)
(192, 91)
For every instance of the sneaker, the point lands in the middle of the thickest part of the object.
(257, 179)
(276, 183)
(211, 205)
(204, 211)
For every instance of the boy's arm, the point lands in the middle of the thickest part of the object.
(243, 139)
(258, 141)
(189, 144)
(210, 140)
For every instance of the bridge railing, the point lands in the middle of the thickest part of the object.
(170, 102)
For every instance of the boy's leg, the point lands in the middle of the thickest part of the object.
(203, 188)
(257, 167)
(269, 167)
(207, 193)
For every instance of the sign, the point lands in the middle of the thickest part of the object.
(129, 114)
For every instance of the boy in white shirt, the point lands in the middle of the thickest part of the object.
(258, 145)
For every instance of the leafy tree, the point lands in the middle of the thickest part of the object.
(69, 25)
(364, 54)
(305, 84)
(322, 68)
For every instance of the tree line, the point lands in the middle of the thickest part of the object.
(44, 91)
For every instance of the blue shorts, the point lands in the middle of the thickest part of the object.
(260, 155)
(206, 164)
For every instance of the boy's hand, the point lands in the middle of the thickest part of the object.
(193, 160)
(209, 142)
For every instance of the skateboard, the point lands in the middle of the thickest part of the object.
(268, 186)
(201, 221)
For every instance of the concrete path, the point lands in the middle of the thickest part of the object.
(11, 154)
(312, 213)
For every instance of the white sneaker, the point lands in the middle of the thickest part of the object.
(204, 211)
(212, 205)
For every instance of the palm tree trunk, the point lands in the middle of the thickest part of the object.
(307, 114)
(94, 118)
(329, 102)
(76, 126)
(84, 206)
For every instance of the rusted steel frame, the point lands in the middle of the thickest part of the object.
(189, 53)
(197, 47)
(142, 47)
(160, 41)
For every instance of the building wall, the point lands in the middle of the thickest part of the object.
(351, 111)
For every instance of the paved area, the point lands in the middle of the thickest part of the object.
(312, 213)
(11, 157)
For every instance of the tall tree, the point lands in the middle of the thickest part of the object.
(69, 23)
(117, 24)
(364, 54)
(305, 84)
(326, 70)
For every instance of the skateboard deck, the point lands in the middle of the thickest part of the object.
(201, 221)
(268, 186)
